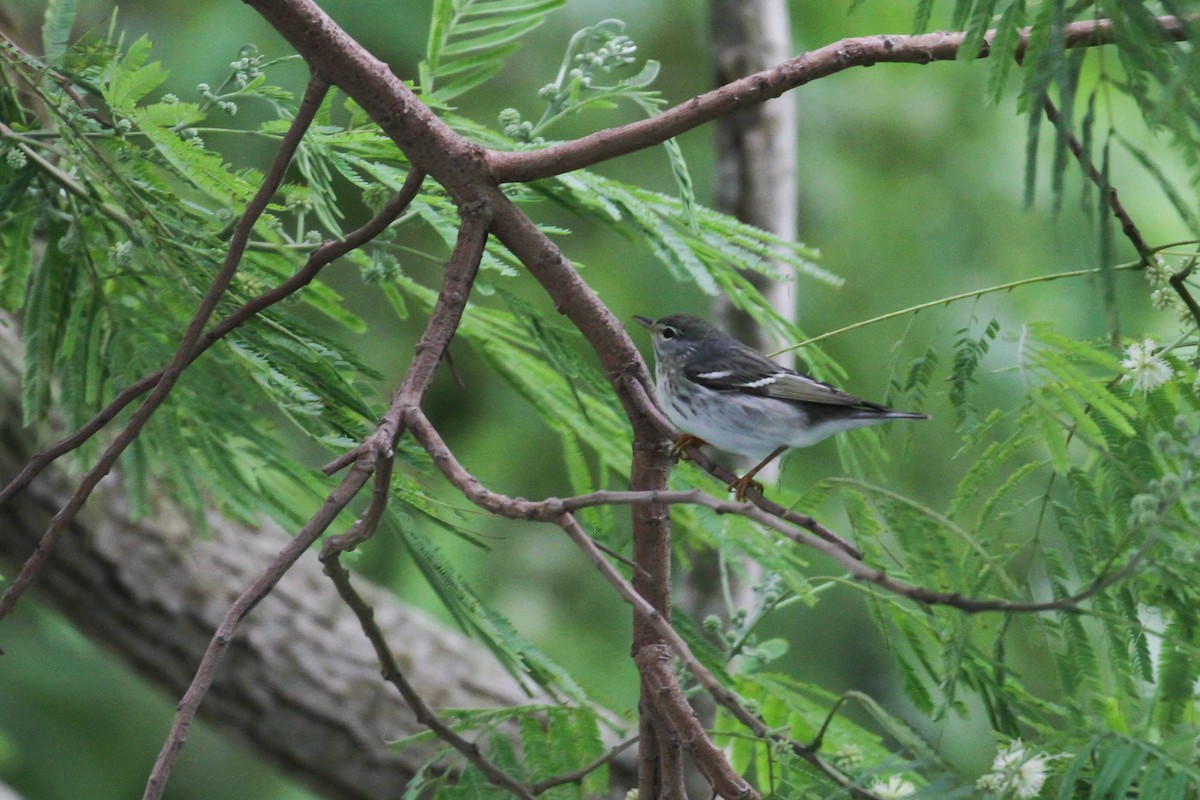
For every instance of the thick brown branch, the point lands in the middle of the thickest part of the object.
(305, 114)
(669, 772)
(768, 84)
(654, 662)
(854, 566)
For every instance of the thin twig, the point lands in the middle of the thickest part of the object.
(313, 95)
(856, 568)
(461, 270)
(324, 255)
(1178, 282)
(202, 681)
(331, 553)
(550, 509)
(1002, 287)
(447, 312)
(1110, 192)
(577, 775)
(395, 676)
(365, 526)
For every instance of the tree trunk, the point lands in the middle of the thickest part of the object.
(301, 686)
(756, 182)
(756, 147)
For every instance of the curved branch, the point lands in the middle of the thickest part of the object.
(551, 509)
(307, 111)
(331, 553)
(855, 567)
(762, 86)
(320, 258)
(460, 276)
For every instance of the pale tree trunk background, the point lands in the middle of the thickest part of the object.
(301, 686)
(755, 182)
(756, 147)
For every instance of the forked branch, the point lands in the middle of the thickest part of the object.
(460, 275)
(471, 176)
(311, 102)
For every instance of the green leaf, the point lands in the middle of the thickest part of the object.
(980, 22)
(1004, 48)
(1117, 768)
(56, 27)
(48, 311)
(205, 170)
(922, 15)
(130, 78)
(469, 41)
(170, 115)
(16, 234)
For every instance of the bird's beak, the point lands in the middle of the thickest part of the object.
(645, 322)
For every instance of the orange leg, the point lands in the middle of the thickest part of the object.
(684, 441)
(743, 484)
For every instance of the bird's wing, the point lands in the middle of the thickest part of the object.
(756, 374)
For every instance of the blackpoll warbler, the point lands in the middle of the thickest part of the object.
(719, 391)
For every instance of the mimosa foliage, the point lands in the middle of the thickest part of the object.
(113, 222)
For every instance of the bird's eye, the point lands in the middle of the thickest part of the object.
(669, 333)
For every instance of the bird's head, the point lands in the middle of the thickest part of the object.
(676, 335)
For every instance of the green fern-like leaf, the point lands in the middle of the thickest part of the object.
(1004, 48)
(56, 27)
(469, 41)
(975, 18)
(130, 78)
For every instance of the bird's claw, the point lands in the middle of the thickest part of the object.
(682, 442)
(744, 484)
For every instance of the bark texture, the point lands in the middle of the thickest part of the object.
(301, 686)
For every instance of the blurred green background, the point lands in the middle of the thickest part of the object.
(911, 186)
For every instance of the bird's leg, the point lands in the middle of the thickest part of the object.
(743, 484)
(684, 441)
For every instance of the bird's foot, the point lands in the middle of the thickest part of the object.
(744, 484)
(682, 442)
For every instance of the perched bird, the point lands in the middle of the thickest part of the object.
(719, 391)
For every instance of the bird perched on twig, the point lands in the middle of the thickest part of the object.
(718, 391)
